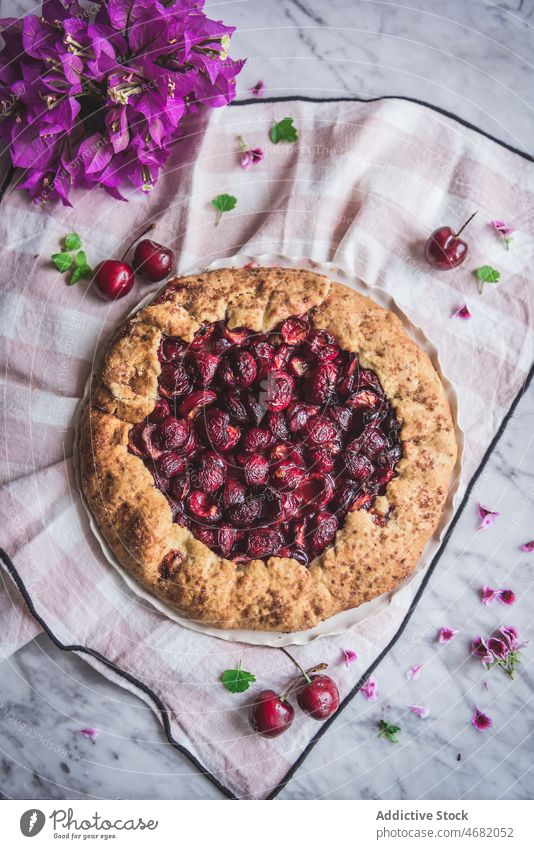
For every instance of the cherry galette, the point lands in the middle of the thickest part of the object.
(265, 448)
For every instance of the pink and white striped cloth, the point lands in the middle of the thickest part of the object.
(363, 187)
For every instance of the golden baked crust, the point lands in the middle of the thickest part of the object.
(278, 594)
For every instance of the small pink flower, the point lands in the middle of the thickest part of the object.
(479, 648)
(349, 656)
(481, 721)
(414, 672)
(370, 690)
(252, 264)
(506, 597)
(462, 312)
(420, 711)
(258, 89)
(445, 635)
(91, 733)
(504, 229)
(527, 546)
(487, 517)
(251, 157)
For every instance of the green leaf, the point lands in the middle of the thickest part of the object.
(72, 242)
(389, 731)
(223, 203)
(284, 130)
(81, 259)
(486, 274)
(237, 680)
(62, 261)
(80, 273)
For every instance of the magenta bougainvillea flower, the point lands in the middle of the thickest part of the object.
(527, 546)
(489, 595)
(370, 690)
(462, 312)
(97, 96)
(481, 721)
(445, 635)
(349, 656)
(487, 517)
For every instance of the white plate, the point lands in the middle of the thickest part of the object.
(349, 618)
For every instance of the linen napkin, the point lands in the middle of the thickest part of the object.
(363, 187)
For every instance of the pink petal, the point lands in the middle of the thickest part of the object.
(420, 711)
(480, 649)
(462, 312)
(488, 595)
(481, 721)
(258, 89)
(511, 637)
(252, 264)
(527, 546)
(370, 690)
(487, 517)
(445, 635)
(498, 648)
(246, 160)
(506, 597)
(91, 733)
(414, 672)
(349, 656)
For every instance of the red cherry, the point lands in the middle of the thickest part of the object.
(443, 248)
(153, 260)
(114, 279)
(319, 698)
(270, 715)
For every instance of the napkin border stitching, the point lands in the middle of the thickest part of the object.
(295, 98)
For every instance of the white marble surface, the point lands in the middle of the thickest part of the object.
(471, 58)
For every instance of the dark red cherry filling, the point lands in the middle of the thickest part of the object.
(262, 443)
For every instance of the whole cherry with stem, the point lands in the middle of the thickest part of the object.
(153, 260)
(317, 695)
(444, 249)
(114, 277)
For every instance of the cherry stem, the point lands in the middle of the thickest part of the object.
(140, 236)
(299, 667)
(462, 228)
(296, 683)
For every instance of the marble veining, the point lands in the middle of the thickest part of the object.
(472, 59)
